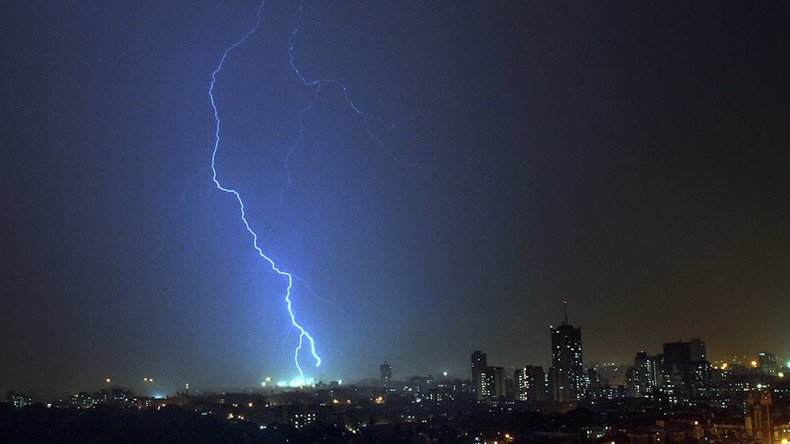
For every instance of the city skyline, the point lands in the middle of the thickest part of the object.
(557, 359)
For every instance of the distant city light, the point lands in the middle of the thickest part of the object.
(444, 373)
(754, 364)
(108, 380)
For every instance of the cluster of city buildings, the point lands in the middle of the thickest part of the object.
(680, 374)
(566, 380)
(113, 397)
(676, 395)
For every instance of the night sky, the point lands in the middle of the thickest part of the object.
(631, 157)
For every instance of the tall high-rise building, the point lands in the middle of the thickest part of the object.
(530, 383)
(697, 350)
(676, 353)
(492, 383)
(510, 388)
(567, 368)
(646, 375)
(767, 362)
(479, 364)
(686, 366)
(386, 372)
(677, 364)
(520, 380)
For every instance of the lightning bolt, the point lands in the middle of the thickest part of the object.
(288, 276)
(317, 85)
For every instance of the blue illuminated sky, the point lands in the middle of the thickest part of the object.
(629, 158)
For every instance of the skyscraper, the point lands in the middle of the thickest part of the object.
(767, 362)
(492, 383)
(697, 350)
(677, 364)
(530, 383)
(479, 364)
(567, 372)
(646, 374)
(686, 366)
(520, 381)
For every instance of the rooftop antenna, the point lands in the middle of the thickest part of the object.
(565, 309)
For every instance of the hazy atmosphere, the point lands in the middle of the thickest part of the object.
(631, 158)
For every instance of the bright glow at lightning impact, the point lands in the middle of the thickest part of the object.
(290, 278)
